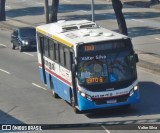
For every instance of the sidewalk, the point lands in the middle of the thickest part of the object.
(141, 3)
(146, 60)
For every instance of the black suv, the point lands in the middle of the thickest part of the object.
(24, 38)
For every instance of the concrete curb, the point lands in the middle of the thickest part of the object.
(12, 24)
(140, 4)
(146, 60)
(149, 61)
(149, 65)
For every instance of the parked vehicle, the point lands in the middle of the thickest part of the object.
(24, 38)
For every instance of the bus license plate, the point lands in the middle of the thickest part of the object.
(111, 101)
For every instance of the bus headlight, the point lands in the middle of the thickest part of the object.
(136, 88)
(86, 96)
(83, 94)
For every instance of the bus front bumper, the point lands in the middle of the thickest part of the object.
(85, 104)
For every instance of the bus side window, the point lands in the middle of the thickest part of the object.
(46, 47)
(51, 48)
(61, 55)
(40, 44)
(54, 51)
(71, 58)
(67, 58)
(57, 52)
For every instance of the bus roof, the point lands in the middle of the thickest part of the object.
(76, 32)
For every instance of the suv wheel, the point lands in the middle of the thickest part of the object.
(20, 48)
(13, 46)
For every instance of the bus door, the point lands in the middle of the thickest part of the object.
(41, 50)
(73, 68)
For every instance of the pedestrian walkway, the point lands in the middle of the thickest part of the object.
(149, 61)
(141, 3)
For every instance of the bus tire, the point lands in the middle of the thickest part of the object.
(74, 106)
(52, 88)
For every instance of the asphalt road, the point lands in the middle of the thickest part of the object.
(21, 101)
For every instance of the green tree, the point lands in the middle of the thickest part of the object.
(2, 10)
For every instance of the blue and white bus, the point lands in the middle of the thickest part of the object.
(88, 66)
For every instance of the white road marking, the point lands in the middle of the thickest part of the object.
(157, 39)
(105, 129)
(25, 10)
(137, 20)
(83, 11)
(5, 71)
(28, 54)
(35, 2)
(40, 3)
(67, 0)
(7, 7)
(3, 45)
(39, 86)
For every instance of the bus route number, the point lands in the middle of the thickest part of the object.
(94, 80)
(89, 48)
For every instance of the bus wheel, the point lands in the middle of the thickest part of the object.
(74, 106)
(52, 88)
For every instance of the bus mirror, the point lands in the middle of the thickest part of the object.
(136, 58)
(73, 67)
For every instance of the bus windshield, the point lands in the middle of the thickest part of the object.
(104, 66)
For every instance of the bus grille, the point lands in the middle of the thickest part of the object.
(104, 100)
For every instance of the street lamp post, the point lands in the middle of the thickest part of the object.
(92, 8)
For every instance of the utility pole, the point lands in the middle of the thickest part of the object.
(46, 10)
(92, 8)
(2, 10)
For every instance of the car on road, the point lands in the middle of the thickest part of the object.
(24, 38)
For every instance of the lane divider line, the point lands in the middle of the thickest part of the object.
(157, 39)
(137, 20)
(83, 11)
(67, 0)
(28, 54)
(39, 86)
(3, 45)
(5, 71)
(105, 129)
(7, 7)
